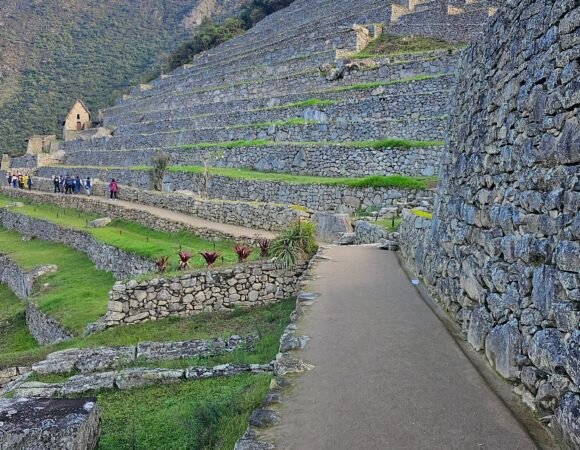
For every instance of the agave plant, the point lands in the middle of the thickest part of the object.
(184, 258)
(210, 257)
(243, 252)
(264, 245)
(162, 263)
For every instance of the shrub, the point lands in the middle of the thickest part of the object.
(264, 245)
(184, 258)
(296, 242)
(210, 257)
(162, 264)
(243, 252)
(160, 161)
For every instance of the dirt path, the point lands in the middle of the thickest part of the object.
(388, 375)
(234, 230)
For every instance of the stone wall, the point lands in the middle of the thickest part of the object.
(122, 264)
(15, 278)
(43, 328)
(256, 215)
(247, 285)
(502, 253)
(311, 196)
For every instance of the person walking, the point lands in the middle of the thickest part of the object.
(29, 183)
(77, 185)
(20, 181)
(88, 186)
(113, 188)
(61, 184)
(56, 183)
(9, 177)
(14, 181)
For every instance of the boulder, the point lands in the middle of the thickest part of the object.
(330, 227)
(49, 424)
(99, 223)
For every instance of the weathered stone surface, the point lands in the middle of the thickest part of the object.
(330, 227)
(99, 223)
(49, 424)
(565, 422)
(502, 348)
(44, 328)
(367, 233)
(262, 418)
(138, 377)
(84, 383)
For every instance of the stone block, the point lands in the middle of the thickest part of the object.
(330, 227)
(502, 349)
(99, 223)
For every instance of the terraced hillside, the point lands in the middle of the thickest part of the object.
(282, 98)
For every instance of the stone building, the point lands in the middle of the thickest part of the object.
(77, 120)
(42, 144)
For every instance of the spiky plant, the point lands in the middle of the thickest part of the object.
(162, 264)
(294, 243)
(210, 257)
(243, 252)
(264, 245)
(184, 258)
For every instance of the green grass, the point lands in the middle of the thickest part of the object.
(377, 181)
(229, 144)
(420, 213)
(268, 321)
(76, 294)
(375, 84)
(293, 121)
(389, 45)
(205, 414)
(14, 335)
(388, 224)
(131, 236)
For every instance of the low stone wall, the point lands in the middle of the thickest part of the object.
(15, 278)
(88, 360)
(122, 264)
(413, 240)
(367, 233)
(247, 285)
(132, 378)
(315, 197)
(63, 424)
(43, 328)
(257, 215)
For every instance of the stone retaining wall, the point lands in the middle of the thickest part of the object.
(120, 263)
(368, 233)
(502, 253)
(256, 215)
(247, 285)
(311, 196)
(43, 328)
(15, 278)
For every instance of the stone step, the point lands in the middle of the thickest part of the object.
(320, 159)
(313, 196)
(422, 128)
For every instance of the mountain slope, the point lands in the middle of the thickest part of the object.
(54, 51)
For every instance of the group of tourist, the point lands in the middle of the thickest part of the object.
(73, 185)
(20, 181)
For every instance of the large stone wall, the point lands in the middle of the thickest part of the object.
(247, 285)
(312, 196)
(503, 253)
(120, 263)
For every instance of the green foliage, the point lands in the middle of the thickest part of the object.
(390, 44)
(206, 414)
(90, 50)
(295, 243)
(160, 161)
(14, 334)
(378, 181)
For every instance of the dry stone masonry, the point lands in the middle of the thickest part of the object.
(502, 253)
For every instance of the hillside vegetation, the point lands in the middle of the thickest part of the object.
(54, 51)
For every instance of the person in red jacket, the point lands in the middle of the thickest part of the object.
(113, 188)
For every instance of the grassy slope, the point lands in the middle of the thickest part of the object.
(268, 322)
(193, 415)
(76, 294)
(14, 336)
(131, 236)
(55, 51)
(388, 44)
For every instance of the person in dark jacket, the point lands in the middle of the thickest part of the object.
(78, 184)
(88, 186)
(56, 183)
(29, 183)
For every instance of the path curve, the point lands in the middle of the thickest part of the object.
(388, 375)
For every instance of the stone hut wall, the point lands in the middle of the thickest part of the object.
(246, 286)
(502, 252)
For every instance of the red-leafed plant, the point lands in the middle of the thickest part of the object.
(243, 252)
(210, 257)
(264, 245)
(162, 264)
(184, 258)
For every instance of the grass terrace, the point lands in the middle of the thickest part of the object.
(75, 295)
(391, 45)
(131, 236)
(376, 84)
(376, 181)
(374, 144)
